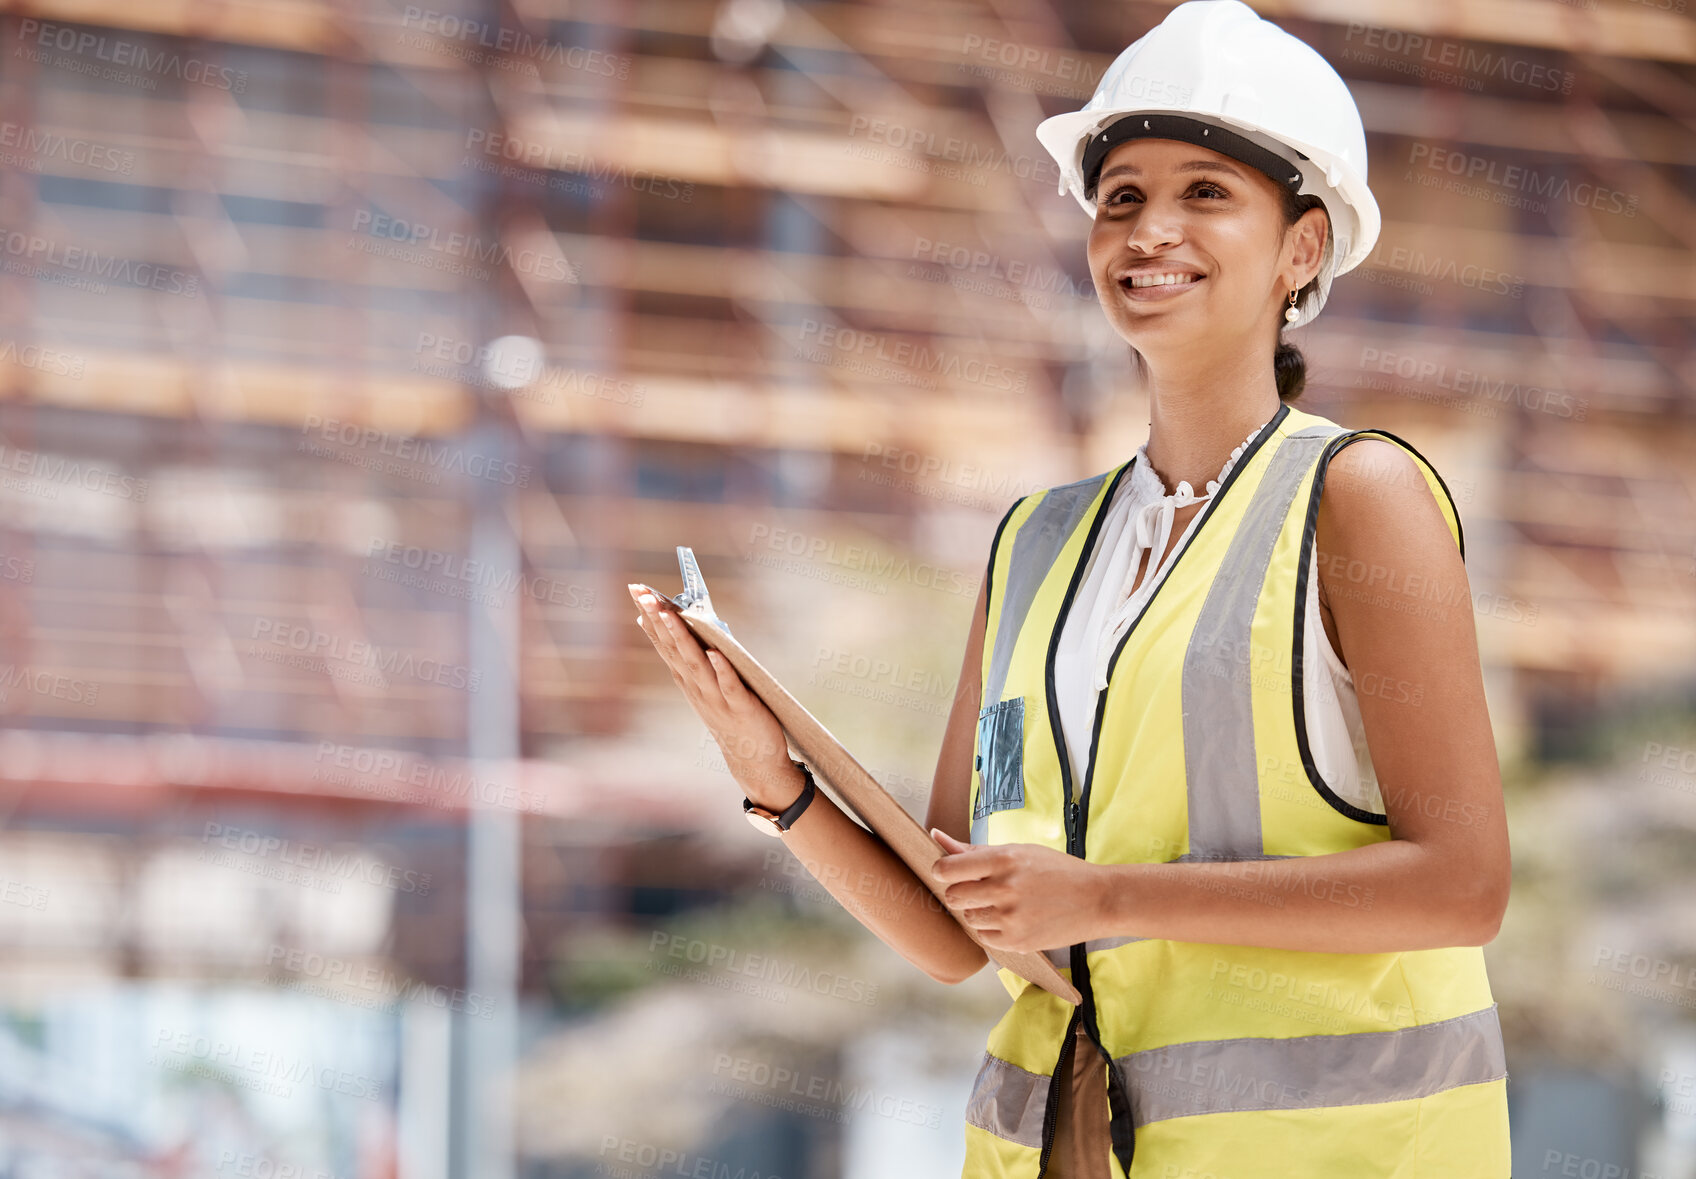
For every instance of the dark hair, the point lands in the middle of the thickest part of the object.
(1289, 367)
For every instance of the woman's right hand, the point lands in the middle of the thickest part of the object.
(750, 736)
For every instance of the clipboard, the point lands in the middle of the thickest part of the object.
(848, 782)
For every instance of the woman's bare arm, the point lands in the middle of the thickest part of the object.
(854, 865)
(951, 788)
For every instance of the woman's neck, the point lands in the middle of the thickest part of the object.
(1199, 416)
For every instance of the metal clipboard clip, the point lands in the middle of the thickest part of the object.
(694, 596)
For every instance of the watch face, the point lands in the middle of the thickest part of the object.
(764, 820)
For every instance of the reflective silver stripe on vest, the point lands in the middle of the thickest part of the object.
(1218, 691)
(1008, 1101)
(1062, 955)
(1191, 857)
(1313, 1072)
(1036, 545)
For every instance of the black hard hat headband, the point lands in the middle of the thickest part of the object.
(1182, 127)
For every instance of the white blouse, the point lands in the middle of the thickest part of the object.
(1139, 519)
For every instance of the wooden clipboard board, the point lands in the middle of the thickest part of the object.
(849, 783)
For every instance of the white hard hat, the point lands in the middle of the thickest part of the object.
(1215, 74)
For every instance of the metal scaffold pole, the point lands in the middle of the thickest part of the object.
(488, 1042)
(486, 1050)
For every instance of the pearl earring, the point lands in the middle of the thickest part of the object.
(1290, 312)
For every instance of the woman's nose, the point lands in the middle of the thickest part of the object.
(1148, 237)
(1155, 226)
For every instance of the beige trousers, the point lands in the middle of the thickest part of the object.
(1082, 1139)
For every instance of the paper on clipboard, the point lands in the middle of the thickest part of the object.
(849, 783)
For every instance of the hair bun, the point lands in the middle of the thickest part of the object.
(1289, 368)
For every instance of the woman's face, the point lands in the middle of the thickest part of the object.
(1168, 207)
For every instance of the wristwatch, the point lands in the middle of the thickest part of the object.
(774, 824)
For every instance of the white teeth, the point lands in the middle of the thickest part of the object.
(1156, 280)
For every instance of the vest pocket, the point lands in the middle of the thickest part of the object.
(1001, 757)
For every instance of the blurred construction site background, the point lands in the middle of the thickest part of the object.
(354, 357)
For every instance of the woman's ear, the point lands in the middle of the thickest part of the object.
(1307, 247)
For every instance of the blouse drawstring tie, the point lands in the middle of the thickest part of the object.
(1151, 530)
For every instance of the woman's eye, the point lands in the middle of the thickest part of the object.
(1208, 185)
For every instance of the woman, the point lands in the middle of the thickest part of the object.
(1278, 948)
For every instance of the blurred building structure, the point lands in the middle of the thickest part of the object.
(354, 357)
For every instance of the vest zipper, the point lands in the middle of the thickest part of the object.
(1062, 1075)
(1077, 804)
(1073, 816)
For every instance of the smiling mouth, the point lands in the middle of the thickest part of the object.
(1143, 282)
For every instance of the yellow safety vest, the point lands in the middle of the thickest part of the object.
(1223, 1061)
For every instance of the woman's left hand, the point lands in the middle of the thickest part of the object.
(1019, 897)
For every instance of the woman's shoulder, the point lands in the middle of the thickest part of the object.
(1369, 458)
(1370, 461)
(1378, 502)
